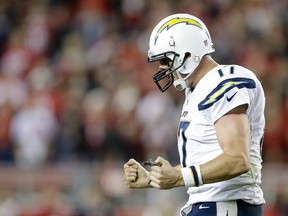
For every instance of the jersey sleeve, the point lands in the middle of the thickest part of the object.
(227, 95)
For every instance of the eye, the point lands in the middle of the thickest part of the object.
(165, 61)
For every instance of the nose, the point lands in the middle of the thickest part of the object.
(163, 67)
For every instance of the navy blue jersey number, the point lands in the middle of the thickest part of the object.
(182, 137)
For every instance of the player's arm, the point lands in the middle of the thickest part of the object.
(233, 133)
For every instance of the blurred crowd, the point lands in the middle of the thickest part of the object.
(76, 86)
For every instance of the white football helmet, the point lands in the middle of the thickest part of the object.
(183, 40)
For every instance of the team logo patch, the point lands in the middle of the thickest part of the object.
(172, 22)
(224, 87)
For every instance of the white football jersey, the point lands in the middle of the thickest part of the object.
(220, 90)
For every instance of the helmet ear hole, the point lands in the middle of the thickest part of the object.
(187, 55)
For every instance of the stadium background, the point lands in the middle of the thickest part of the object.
(77, 100)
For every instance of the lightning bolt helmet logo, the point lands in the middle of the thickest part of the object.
(172, 22)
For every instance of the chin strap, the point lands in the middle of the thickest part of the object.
(179, 84)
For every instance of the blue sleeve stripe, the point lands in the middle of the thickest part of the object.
(223, 87)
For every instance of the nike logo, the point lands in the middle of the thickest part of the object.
(230, 98)
(203, 207)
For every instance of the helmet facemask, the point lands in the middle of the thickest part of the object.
(168, 76)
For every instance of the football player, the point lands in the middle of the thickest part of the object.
(221, 127)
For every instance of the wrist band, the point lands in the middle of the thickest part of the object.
(192, 176)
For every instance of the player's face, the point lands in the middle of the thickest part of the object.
(165, 64)
(165, 68)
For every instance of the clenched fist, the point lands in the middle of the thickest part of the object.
(135, 176)
(165, 176)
